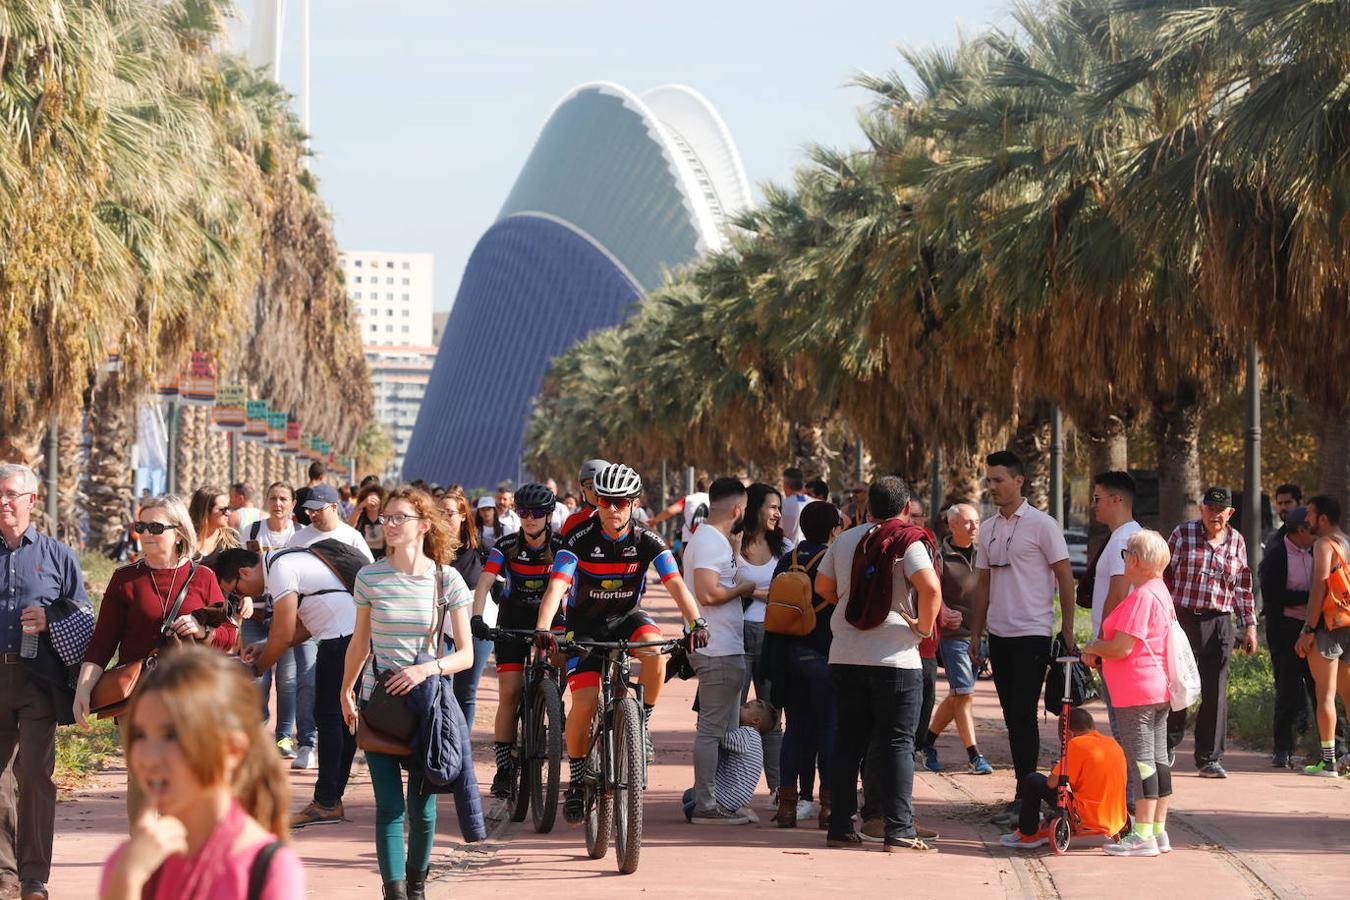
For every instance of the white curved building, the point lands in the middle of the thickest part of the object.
(618, 190)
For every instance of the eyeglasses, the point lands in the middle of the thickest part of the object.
(151, 527)
(536, 513)
(1124, 551)
(14, 496)
(619, 503)
(396, 519)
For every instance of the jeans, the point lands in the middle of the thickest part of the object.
(1211, 635)
(337, 745)
(773, 741)
(294, 674)
(1020, 664)
(386, 777)
(1295, 690)
(877, 705)
(720, 679)
(929, 698)
(810, 715)
(466, 681)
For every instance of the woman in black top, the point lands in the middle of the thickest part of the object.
(469, 563)
(807, 690)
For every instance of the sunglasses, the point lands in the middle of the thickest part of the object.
(151, 527)
(619, 503)
(537, 513)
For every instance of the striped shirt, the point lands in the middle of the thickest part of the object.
(401, 613)
(740, 759)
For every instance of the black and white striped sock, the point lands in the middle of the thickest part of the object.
(503, 751)
(577, 767)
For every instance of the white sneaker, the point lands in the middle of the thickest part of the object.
(749, 813)
(772, 803)
(1163, 841)
(1133, 845)
(304, 759)
(807, 809)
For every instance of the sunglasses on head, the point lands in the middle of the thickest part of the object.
(619, 503)
(536, 513)
(151, 527)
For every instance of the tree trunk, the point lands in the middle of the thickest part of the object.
(1107, 451)
(1333, 455)
(962, 479)
(1176, 428)
(1031, 441)
(848, 461)
(809, 450)
(70, 454)
(107, 492)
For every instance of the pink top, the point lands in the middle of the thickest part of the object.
(215, 873)
(1140, 679)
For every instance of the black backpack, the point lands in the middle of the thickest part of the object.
(343, 560)
(698, 518)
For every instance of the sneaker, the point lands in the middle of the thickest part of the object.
(930, 759)
(314, 814)
(772, 803)
(1281, 760)
(1213, 770)
(286, 747)
(305, 759)
(1019, 841)
(718, 816)
(32, 889)
(901, 845)
(874, 831)
(1163, 841)
(980, 766)
(1321, 770)
(574, 804)
(1132, 845)
(807, 809)
(501, 782)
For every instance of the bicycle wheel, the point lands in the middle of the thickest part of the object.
(599, 800)
(520, 785)
(628, 759)
(545, 755)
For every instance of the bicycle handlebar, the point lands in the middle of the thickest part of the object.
(667, 645)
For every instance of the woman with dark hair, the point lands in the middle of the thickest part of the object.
(368, 505)
(485, 522)
(762, 546)
(469, 563)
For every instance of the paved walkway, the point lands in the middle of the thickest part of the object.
(1261, 833)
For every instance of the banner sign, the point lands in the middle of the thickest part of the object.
(230, 413)
(276, 429)
(256, 414)
(292, 438)
(167, 387)
(197, 383)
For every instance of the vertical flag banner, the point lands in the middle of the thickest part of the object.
(197, 384)
(276, 429)
(230, 413)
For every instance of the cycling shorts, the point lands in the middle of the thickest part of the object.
(511, 652)
(584, 671)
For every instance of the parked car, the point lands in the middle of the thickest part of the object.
(1077, 539)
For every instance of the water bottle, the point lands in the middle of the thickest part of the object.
(28, 649)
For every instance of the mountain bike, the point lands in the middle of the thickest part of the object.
(617, 767)
(539, 738)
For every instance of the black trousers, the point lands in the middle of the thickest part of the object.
(1211, 635)
(1035, 790)
(877, 706)
(1020, 664)
(1295, 691)
(929, 698)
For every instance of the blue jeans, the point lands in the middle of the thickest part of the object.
(879, 706)
(337, 745)
(810, 712)
(295, 687)
(466, 682)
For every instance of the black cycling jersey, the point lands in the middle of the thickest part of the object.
(607, 576)
(526, 568)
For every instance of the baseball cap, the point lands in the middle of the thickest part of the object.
(1217, 496)
(486, 502)
(320, 496)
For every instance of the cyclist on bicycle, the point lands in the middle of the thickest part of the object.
(524, 558)
(586, 478)
(602, 569)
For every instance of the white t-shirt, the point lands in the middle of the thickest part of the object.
(710, 549)
(695, 511)
(892, 643)
(267, 538)
(510, 523)
(761, 575)
(1108, 564)
(792, 516)
(558, 517)
(1018, 552)
(326, 615)
(247, 516)
(344, 532)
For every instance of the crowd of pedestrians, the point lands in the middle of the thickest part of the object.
(816, 634)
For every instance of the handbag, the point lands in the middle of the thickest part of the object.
(112, 692)
(386, 724)
(1179, 667)
(1082, 686)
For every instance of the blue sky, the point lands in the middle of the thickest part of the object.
(423, 111)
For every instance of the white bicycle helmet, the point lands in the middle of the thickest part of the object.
(589, 469)
(617, 480)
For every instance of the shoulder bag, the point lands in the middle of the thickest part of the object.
(112, 692)
(386, 724)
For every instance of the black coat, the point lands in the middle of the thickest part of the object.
(1274, 574)
(49, 670)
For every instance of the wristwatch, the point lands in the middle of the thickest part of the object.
(698, 623)
(1307, 629)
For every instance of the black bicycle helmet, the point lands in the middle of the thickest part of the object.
(617, 480)
(535, 496)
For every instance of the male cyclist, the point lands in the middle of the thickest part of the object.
(524, 559)
(586, 478)
(604, 564)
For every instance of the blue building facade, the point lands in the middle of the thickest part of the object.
(617, 191)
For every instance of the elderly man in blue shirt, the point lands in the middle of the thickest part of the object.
(42, 595)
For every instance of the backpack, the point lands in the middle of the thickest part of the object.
(343, 560)
(789, 609)
(1336, 604)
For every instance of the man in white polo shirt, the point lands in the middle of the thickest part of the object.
(710, 565)
(1021, 561)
